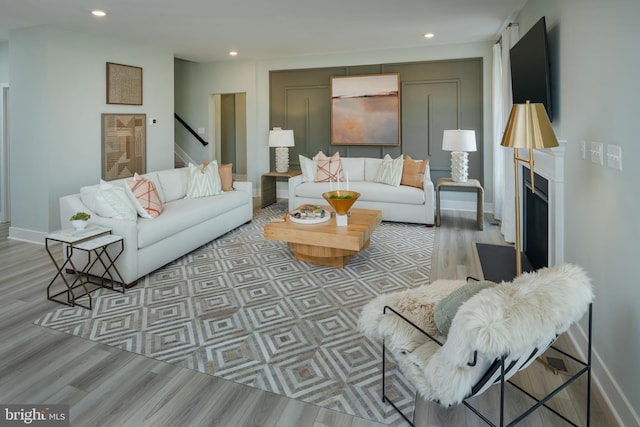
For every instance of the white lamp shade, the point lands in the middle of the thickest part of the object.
(281, 138)
(459, 140)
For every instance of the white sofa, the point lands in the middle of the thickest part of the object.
(184, 224)
(398, 204)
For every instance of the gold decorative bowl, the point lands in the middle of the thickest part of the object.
(341, 200)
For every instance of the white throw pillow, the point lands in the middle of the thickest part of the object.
(308, 167)
(174, 183)
(390, 171)
(108, 201)
(203, 181)
(371, 167)
(88, 197)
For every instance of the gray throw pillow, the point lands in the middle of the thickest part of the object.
(447, 308)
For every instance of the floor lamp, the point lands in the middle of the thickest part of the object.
(528, 127)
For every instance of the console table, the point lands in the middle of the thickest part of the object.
(455, 185)
(268, 185)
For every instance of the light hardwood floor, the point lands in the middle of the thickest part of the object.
(110, 387)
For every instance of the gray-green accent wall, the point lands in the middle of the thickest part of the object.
(434, 95)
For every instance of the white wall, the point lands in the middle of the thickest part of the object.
(4, 152)
(595, 62)
(193, 107)
(4, 62)
(197, 81)
(58, 86)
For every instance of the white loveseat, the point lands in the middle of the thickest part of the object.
(398, 204)
(184, 224)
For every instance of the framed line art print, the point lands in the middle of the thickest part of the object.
(124, 84)
(365, 110)
(124, 142)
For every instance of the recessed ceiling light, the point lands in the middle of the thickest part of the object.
(429, 35)
(233, 53)
(99, 13)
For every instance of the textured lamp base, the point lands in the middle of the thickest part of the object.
(459, 166)
(282, 159)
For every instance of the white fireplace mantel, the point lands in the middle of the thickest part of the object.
(549, 164)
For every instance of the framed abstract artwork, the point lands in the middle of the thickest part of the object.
(365, 110)
(124, 84)
(123, 145)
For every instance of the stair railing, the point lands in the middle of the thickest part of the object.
(190, 129)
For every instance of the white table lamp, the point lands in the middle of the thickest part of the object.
(459, 142)
(281, 140)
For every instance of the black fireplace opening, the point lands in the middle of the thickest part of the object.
(535, 219)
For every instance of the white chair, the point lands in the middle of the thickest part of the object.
(493, 334)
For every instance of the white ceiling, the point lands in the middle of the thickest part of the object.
(206, 30)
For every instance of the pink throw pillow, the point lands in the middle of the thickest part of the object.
(145, 196)
(329, 168)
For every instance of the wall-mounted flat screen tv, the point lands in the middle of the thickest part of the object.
(530, 68)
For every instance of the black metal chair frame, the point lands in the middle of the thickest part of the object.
(504, 368)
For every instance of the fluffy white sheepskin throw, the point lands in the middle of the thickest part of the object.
(508, 319)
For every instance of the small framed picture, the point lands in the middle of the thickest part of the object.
(124, 84)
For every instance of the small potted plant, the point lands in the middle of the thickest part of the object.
(79, 220)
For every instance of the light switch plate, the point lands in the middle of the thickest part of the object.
(583, 150)
(614, 156)
(596, 153)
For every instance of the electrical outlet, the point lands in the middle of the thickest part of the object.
(596, 153)
(583, 150)
(152, 121)
(614, 157)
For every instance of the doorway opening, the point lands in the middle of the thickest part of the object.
(228, 113)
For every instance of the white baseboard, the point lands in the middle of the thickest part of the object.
(28, 236)
(609, 389)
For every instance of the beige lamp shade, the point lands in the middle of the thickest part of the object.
(529, 127)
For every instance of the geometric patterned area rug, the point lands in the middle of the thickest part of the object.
(242, 309)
